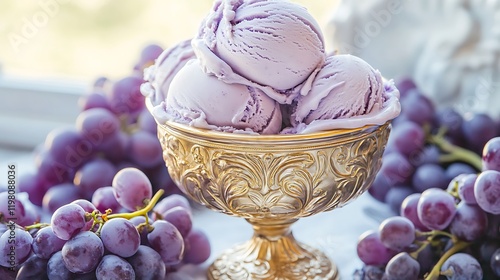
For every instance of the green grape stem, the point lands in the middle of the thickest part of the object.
(37, 225)
(142, 212)
(454, 152)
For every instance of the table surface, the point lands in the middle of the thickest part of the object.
(335, 232)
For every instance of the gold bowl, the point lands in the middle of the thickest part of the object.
(272, 181)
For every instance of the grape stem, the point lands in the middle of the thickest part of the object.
(37, 225)
(436, 270)
(453, 152)
(142, 212)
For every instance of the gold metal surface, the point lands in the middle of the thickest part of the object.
(272, 181)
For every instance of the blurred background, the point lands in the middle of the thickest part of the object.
(85, 39)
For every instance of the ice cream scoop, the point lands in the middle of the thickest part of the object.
(159, 76)
(272, 45)
(204, 101)
(346, 93)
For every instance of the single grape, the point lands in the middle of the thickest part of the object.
(371, 250)
(120, 237)
(396, 195)
(52, 172)
(145, 149)
(56, 269)
(148, 56)
(462, 266)
(34, 268)
(68, 147)
(89, 208)
(402, 266)
(82, 253)
(478, 129)
(180, 218)
(114, 267)
(33, 185)
(457, 168)
(16, 211)
(379, 188)
(97, 126)
(397, 233)
(436, 208)
(93, 100)
(450, 119)
(132, 188)
(147, 264)
(46, 243)
(147, 122)
(417, 108)
(470, 222)
(60, 195)
(143, 230)
(487, 191)
(428, 176)
(104, 198)
(465, 189)
(94, 174)
(487, 249)
(396, 169)
(427, 155)
(407, 138)
(495, 262)
(125, 96)
(167, 241)
(198, 247)
(491, 154)
(18, 239)
(409, 210)
(116, 148)
(67, 221)
(170, 202)
(404, 85)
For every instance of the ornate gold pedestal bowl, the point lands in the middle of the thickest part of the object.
(272, 181)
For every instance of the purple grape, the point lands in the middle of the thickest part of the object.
(89, 208)
(436, 208)
(60, 195)
(16, 238)
(491, 155)
(56, 269)
(114, 267)
(34, 268)
(125, 96)
(407, 138)
(116, 148)
(371, 250)
(180, 218)
(470, 222)
(487, 191)
(458, 168)
(68, 147)
(16, 212)
(465, 188)
(94, 174)
(493, 230)
(104, 198)
(395, 169)
(462, 266)
(132, 188)
(495, 262)
(478, 129)
(136, 221)
(52, 172)
(451, 120)
(147, 122)
(170, 202)
(82, 253)
(428, 154)
(148, 56)
(404, 85)
(397, 233)
(428, 176)
(7, 274)
(147, 264)
(417, 108)
(120, 237)
(46, 243)
(379, 188)
(145, 149)
(409, 210)
(396, 195)
(67, 221)
(402, 266)
(33, 185)
(197, 246)
(167, 241)
(93, 100)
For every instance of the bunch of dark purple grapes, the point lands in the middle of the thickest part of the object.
(129, 234)
(114, 130)
(429, 146)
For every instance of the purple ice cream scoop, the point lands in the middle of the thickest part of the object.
(271, 45)
(204, 101)
(346, 93)
(159, 75)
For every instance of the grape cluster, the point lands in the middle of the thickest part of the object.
(148, 238)
(452, 233)
(114, 130)
(428, 147)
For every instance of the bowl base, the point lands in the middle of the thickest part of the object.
(284, 258)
